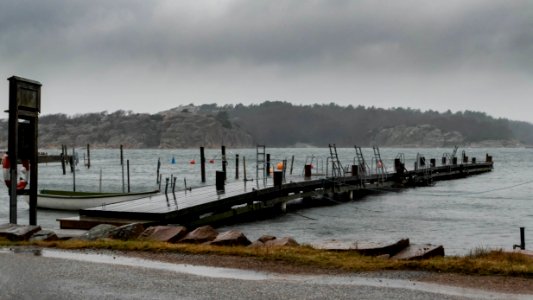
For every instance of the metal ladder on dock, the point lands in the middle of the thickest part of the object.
(360, 161)
(336, 167)
(260, 159)
(380, 166)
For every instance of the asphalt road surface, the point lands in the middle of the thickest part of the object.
(52, 274)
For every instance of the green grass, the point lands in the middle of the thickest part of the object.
(478, 262)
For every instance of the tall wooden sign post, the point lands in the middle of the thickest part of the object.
(24, 109)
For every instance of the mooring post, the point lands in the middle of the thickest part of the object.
(268, 164)
(122, 164)
(278, 179)
(236, 166)
(224, 162)
(100, 181)
(157, 180)
(307, 171)
(522, 238)
(202, 164)
(174, 187)
(292, 162)
(355, 170)
(128, 168)
(244, 168)
(88, 156)
(63, 158)
(166, 187)
(160, 178)
(219, 180)
(432, 162)
(73, 171)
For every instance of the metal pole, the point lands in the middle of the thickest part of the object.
(128, 168)
(244, 167)
(100, 182)
(33, 174)
(73, 168)
(122, 164)
(202, 164)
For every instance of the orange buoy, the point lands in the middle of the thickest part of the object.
(211, 161)
(279, 166)
(192, 162)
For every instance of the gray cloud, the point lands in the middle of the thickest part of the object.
(391, 53)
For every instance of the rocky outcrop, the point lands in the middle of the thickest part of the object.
(14, 232)
(200, 235)
(282, 242)
(97, 232)
(44, 235)
(168, 233)
(231, 238)
(127, 232)
(417, 136)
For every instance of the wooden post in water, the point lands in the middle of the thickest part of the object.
(174, 187)
(224, 162)
(122, 164)
(236, 166)
(73, 168)
(128, 164)
(268, 164)
(202, 164)
(88, 157)
(166, 188)
(292, 162)
(219, 180)
(244, 168)
(157, 180)
(100, 182)
(522, 238)
(63, 157)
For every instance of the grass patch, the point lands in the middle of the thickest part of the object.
(478, 262)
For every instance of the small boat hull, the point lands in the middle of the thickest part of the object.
(65, 200)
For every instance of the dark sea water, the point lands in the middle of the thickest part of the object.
(480, 211)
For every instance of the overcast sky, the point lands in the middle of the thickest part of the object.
(149, 56)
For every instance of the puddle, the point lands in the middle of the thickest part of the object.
(228, 273)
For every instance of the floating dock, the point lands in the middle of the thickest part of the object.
(249, 200)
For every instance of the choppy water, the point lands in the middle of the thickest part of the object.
(480, 211)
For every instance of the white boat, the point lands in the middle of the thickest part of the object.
(68, 200)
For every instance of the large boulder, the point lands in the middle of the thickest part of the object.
(285, 241)
(167, 233)
(14, 232)
(231, 238)
(44, 235)
(265, 238)
(127, 232)
(101, 231)
(200, 235)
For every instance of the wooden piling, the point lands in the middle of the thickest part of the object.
(268, 164)
(244, 168)
(278, 179)
(157, 180)
(522, 238)
(236, 166)
(224, 161)
(202, 164)
(219, 180)
(292, 163)
(63, 158)
(88, 157)
(307, 171)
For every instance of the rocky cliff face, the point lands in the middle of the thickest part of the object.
(417, 136)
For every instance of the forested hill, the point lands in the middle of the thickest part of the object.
(279, 124)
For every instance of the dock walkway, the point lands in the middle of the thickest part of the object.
(241, 199)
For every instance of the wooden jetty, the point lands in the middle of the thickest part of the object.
(245, 200)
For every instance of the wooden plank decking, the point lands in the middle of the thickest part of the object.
(206, 204)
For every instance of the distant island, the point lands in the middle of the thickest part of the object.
(279, 124)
